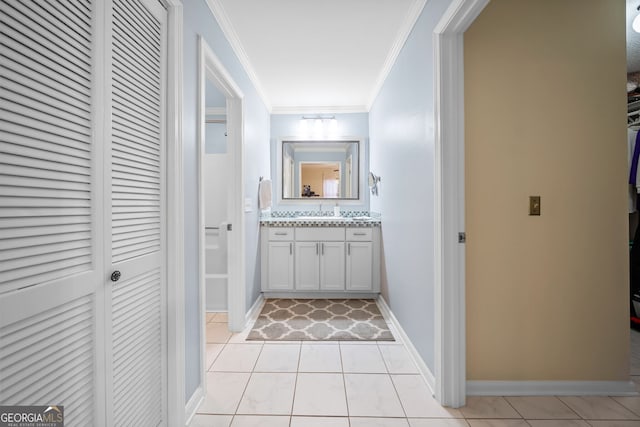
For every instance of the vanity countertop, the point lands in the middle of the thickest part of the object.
(311, 220)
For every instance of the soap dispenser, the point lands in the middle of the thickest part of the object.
(336, 210)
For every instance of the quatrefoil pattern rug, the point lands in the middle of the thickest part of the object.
(320, 320)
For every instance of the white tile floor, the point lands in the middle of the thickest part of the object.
(356, 384)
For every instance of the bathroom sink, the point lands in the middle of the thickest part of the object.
(322, 218)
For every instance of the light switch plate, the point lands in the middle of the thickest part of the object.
(534, 205)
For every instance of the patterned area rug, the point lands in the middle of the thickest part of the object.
(320, 320)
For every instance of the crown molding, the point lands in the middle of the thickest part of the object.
(327, 109)
(401, 39)
(220, 15)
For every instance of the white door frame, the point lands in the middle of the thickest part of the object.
(211, 68)
(175, 219)
(450, 333)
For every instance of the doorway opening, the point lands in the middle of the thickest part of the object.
(221, 248)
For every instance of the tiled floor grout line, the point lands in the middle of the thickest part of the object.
(344, 383)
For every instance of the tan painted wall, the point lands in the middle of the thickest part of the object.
(545, 114)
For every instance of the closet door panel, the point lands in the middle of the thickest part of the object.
(50, 199)
(137, 395)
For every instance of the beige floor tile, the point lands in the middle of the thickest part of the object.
(211, 420)
(278, 358)
(320, 358)
(631, 403)
(319, 421)
(378, 422)
(210, 317)
(437, 422)
(224, 391)
(614, 423)
(213, 350)
(397, 359)
(320, 394)
(542, 408)
(498, 423)
(372, 395)
(237, 358)
(558, 423)
(416, 398)
(268, 394)
(362, 359)
(598, 408)
(488, 407)
(221, 318)
(241, 338)
(218, 333)
(260, 421)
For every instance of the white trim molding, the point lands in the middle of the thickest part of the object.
(401, 38)
(229, 32)
(175, 219)
(404, 338)
(216, 111)
(194, 403)
(450, 335)
(254, 311)
(551, 388)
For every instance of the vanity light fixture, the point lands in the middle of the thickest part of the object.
(318, 125)
(636, 21)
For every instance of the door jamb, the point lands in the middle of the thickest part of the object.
(450, 332)
(210, 67)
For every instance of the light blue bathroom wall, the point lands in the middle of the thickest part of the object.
(354, 125)
(213, 97)
(198, 20)
(402, 154)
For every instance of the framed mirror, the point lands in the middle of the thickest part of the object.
(320, 170)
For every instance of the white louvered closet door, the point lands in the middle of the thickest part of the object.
(51, 225)
(137, 395)
(81, 195)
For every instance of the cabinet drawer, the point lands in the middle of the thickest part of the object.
(281, 233)
(359, 234)
(320, 234)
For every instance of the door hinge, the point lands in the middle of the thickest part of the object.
(462, 237)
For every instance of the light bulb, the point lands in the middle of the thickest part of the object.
(636, 23)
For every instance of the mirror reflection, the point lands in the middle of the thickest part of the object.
(320, 169)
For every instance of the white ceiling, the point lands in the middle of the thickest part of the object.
(310, 55)
(633, 38)
(330, 55)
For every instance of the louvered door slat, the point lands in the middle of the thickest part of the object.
(40, 60)
(58, 237)
(55, 106)
(49, 88)
(23, 101)
(126, 84)
(51, 36)
(15, 181)
(57, 19)
(136, 116)
(73, 10)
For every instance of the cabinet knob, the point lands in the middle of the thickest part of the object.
(115, 276)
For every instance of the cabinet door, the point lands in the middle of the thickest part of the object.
(332, 266)
(307, 265)
(359, 266)
(280, 265)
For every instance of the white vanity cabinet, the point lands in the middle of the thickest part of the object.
(319, 258)
(359, 274)
(311, 261)
(279, 268)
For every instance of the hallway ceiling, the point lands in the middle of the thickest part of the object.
(317, 56)
(331, 55)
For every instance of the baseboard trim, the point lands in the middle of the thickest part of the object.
(254, 311)
(321, 295)
(551, 388)
(402, 336)
(193, 404)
